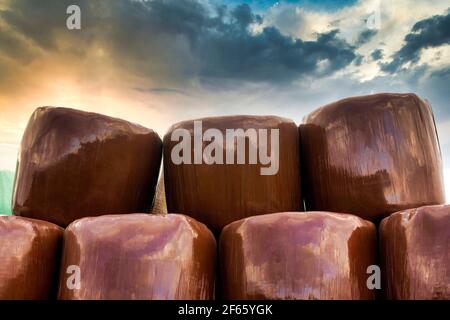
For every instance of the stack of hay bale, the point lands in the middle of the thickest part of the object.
(308, 231)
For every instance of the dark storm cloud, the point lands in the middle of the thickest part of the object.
(365, 37)
(377, 54)
(270, 56)
(427, 33)
(180, 39)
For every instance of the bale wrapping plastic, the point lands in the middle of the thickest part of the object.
(217, 194)
(29, 258)
(74, 164)
(415, 251)
(297, 255)
(138, 256)
(372, 156)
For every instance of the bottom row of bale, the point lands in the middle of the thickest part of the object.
(289, 255)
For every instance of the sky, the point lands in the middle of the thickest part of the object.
(162, 61)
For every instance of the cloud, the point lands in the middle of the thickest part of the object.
(163, 91)
(180, 40)
(430, 32)
(377, 54)
(365, 36)
(322, 5)
(271, 56)
(14, 48)
(435, 87)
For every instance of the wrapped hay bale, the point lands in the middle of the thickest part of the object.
(138, 256)
(293, 255)
(74, 164)
(371, 156)
(415, 251)
(29, 258)
(222, 169)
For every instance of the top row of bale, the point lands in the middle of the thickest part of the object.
(369, 156)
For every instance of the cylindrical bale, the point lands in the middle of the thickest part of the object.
(138, 256)
(254, 169)
(298, 255)
(415, 252)
(29, 258)
(74, 164)
(372, 156)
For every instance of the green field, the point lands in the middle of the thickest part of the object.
(6, 185)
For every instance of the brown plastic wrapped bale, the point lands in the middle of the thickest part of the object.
(298, 255)
(217, 194)
(74, 164)
(138, 256)
(29, 258)
(415, 252)
(372, 156)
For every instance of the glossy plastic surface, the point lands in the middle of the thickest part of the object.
(139, 256)
(74, 164)
(297, 255)
(217, 194)
(372, 156)
(415, 251)
(29, 258)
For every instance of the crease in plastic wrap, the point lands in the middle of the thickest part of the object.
(29, 258)
(297, 255)
(415, 251)
(74, 164)
(371, 156)
(217, 194)
(139, 256)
